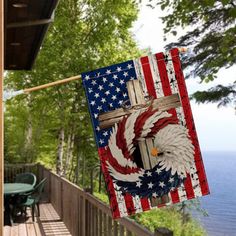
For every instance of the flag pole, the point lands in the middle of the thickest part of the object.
(183, 50)
(28, 90)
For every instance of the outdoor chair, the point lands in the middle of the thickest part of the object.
(33, 199)
(26, 178)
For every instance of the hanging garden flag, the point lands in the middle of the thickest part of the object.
(145, 133)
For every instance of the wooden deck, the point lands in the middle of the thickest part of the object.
(48, 224)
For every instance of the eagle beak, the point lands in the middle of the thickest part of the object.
(155, 152)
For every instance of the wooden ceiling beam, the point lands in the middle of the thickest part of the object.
(29, 23)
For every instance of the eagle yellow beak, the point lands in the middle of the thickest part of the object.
(154, 152)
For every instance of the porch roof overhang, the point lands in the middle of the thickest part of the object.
(26, 23)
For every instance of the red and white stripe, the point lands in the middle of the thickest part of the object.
(193, 177)
(189, 123)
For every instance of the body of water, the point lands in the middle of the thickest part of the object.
(221, 203)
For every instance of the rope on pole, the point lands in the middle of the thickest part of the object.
(10, 94)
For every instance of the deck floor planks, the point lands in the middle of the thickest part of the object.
(45, 223)
(14, 230)
(7, 230)
(48, 224)
(38, 231)
(31, 229)
(22, 229)
(54, 228)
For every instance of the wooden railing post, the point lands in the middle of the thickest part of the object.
(61, 197)
(83, 217)
(38, 171)
(49, 187)
(163, 232)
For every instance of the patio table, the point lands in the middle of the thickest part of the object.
(10, 190)
(17, 188)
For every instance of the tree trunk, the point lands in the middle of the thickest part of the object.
(72, 171)
(77, 168)
(59, 165)
(83, 170)
(61, 135)
(69, 150)
(28, 147)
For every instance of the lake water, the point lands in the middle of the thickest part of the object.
(221, 203)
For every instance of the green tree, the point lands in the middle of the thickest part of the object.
(53, 125)
(212, 34)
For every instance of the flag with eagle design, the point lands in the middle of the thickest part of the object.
(171, 169)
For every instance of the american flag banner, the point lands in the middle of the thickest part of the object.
(145, 133)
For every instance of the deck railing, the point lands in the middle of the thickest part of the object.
(11, 170)
(82, 213)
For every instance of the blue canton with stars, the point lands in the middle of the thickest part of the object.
(106, 91)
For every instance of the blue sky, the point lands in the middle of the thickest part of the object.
(216, 127)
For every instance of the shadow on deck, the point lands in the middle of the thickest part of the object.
(48, 224)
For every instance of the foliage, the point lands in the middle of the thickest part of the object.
(52, 125)
(212, 34)
(193, 205)
(170, 218)
(221, 94)
(103, 197)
